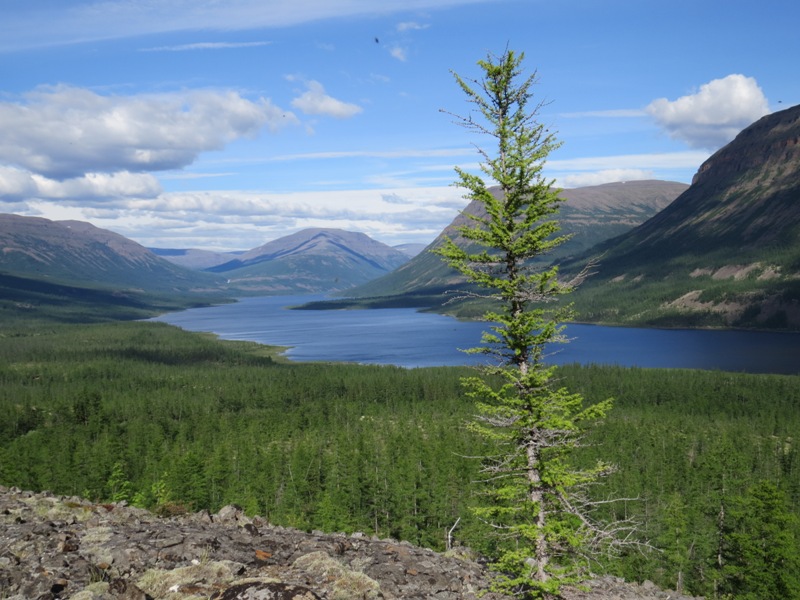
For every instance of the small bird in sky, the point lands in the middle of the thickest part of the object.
(377, 41)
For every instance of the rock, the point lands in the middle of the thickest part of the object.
(56, 547)
(266, 591)
(121, 589)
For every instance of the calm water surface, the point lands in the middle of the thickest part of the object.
(407, 338)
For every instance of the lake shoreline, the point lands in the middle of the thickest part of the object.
(410, 338)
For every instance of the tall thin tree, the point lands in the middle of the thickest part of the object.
(535, 498)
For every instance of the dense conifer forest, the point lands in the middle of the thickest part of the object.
(176, 421)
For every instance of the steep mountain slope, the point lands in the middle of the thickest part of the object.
(73, 258)
(592, 214)
(726, 252)
(78, 253)
(311, 261)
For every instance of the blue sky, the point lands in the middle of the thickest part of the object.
(223, 124)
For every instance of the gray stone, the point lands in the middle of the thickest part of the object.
(53, 547)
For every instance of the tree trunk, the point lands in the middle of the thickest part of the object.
(536, 497)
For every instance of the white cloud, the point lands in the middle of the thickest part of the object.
(600, 177)
(66, 132)
(618, 113)
(100, 186)
(597, 170)
(88, 20)
(239, 220)
(399, 53)
(410, 26)
(662, 160)
(206, 46)
(314, 101)
(715, 114)
(19, 185)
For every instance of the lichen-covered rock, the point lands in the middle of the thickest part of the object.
(61, 547)
(266, 591)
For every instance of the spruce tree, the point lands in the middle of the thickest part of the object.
(759, 555)
(535, 499)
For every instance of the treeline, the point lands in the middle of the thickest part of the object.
(173, 421)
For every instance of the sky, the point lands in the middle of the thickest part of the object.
(225, 124)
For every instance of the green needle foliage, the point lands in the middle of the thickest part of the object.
(758, 557)
(534, 495)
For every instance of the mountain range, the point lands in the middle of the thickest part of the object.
(724, 251)
(65, 260)
(590, 214)
(73, 253)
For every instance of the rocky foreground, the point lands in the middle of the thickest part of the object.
(64, 547)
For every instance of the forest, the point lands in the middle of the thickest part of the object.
(175, 421)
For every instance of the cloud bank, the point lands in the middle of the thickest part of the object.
(65, 132)
(715, 114)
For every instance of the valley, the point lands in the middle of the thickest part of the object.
(98, 404)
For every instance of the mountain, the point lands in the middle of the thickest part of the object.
(724, 253)
(191, 258)
(410, 250)
(311, 261)
(593, 214)
(76, 252)
(71, 271)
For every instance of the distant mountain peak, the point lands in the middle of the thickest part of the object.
(312, 261)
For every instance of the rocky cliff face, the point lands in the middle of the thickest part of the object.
(59, 547)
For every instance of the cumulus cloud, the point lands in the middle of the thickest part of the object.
(99, 186)
(66, 132)
(18, 184)
(715, 114)
(314, 101)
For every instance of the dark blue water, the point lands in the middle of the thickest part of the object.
(407, 338)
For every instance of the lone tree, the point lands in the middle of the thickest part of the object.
(535, 499)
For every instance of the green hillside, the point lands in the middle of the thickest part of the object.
(70, 271)
(725, 253)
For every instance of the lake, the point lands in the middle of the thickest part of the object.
(407, 338)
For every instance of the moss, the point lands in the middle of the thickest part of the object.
(164, 584)
(345, 583)
(92, 591)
